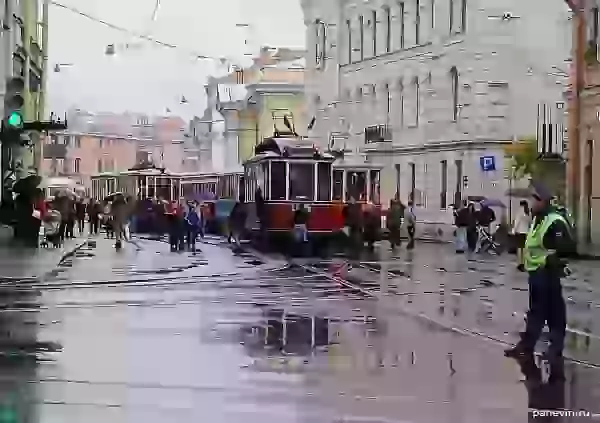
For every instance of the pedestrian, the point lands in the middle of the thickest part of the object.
(72, 217)
(462, 217)
(394, 222)
(120, 213)
(549, 241)
(300, 232)
(352, 215)
(484, 217)
(80, 215)
(520, 229)
(93, 212)
(193, 222)
(107, 219)
(472, 227)
(372, 225)
(261, 214)
(237, 221)
(410, 220)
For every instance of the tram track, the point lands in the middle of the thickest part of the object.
(423, 317)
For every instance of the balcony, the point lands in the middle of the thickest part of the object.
(55, 151)
(378, 133)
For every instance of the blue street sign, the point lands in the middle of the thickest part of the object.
(488, 163)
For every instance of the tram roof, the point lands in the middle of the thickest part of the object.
(289, 146)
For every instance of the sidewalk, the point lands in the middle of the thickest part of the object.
(25, 263)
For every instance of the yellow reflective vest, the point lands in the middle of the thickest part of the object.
(534, 253)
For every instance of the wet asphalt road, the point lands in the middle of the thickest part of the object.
(147, 335)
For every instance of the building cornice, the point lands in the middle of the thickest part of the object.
(112, 137)
(275, 87)
(388, 148)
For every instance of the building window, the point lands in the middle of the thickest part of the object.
(100, 142)
(67, 140)
(451, 16)
(432, 7)
(317, 42)
(413, 182)
(594, 29)
(454, 82)
(402, 26)
(397, 166)
(463, 16)
(444, 184)
(401, 105)
(77, 165)
(388, 106)
(388, 30)
(374, 28)
(77, 142)
(320, 43)
(361, 28)
(100, 170)
(418, 22)
(458, 164)
(349, 31)
(417, 100)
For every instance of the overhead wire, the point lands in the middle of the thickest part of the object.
(134, 33)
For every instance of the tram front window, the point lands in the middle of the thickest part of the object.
(302, 181)
(356, 183)
(324, 181)
(278, 178)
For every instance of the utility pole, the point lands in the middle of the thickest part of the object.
(577, 77)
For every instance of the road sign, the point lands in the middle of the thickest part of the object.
(487, 163)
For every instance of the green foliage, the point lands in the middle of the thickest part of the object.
(524, 158)
(526, 163)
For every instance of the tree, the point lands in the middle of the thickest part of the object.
(526, 162)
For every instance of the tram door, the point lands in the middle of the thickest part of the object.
(241, 188)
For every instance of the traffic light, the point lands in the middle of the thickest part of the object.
(13, 104)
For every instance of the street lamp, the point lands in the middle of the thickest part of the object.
(58, 67)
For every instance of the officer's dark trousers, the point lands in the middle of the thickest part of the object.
(546, 305)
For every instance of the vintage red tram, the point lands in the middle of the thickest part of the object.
(289, 172)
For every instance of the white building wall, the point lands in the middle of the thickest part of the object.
(510, 57)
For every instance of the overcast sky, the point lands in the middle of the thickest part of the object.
(148, 78)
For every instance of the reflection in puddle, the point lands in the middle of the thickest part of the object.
(287, 333)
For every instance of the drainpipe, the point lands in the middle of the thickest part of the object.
(574, 122)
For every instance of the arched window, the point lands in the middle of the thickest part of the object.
(454, 85)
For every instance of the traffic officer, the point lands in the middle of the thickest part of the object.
(549, 241)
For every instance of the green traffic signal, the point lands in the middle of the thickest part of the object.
(15, 120)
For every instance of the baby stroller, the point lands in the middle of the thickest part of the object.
(108, 225)
(486, 242)
(50, 230)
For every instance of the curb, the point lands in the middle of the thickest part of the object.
(43, 275)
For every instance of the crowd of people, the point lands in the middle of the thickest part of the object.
(473, 223)
(65, 216)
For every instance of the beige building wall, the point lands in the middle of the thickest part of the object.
(589, 206)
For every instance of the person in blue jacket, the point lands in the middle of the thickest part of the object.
(193, 223)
